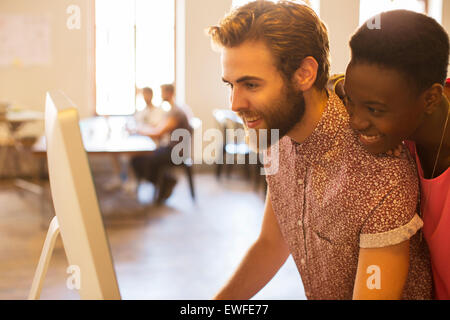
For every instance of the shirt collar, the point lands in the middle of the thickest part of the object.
(324, 135)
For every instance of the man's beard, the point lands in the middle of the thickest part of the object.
(280, 115)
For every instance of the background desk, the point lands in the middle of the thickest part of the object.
(102, 136)
(14, 121)
(107, 135)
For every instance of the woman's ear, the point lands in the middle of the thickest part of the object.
(432, 97)
(305, 76)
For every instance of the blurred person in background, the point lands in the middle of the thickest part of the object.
(154, 167)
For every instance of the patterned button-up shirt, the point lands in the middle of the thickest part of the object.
(331, 198)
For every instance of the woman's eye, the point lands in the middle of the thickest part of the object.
(374, 111)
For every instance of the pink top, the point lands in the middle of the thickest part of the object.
(435, 207)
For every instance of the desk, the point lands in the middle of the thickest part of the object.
(14, 120)
(102, 136)
(19, 117)
(107, 135)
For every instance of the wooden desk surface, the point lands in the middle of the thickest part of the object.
(24, 116)
(107, 135)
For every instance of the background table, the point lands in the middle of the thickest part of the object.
(101, 136)
(107, 135)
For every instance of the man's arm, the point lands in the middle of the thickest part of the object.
(167, 126)
(261, 262)
(382, 272)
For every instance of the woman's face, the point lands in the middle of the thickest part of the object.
(384, 110)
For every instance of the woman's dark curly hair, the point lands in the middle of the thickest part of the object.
(409, 42)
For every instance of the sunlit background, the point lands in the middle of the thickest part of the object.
(116, 47)
(138, 50)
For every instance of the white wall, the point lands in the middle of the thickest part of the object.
(342, 19)
(71, 67)
(446, 14)
(446, 21)
(204, 90)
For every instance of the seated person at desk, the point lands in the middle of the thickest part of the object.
(149, 166)
(151, 114)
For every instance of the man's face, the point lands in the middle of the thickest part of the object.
(384, 110)
(259, 94)
(166, 94)
(148, 97)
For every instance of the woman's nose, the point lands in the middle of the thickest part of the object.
(358, 121)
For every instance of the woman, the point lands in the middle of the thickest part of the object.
(394, 92)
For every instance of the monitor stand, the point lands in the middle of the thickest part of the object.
(44, 260)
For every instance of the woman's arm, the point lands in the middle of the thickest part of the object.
(382, 272)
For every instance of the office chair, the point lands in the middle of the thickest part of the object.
(186, 164)
(228, 120)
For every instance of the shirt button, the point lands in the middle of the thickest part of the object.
(300, 182)
(299, 222)
(302, 261)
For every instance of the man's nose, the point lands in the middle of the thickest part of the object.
(238, 102)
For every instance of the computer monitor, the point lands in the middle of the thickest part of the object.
(75, 201)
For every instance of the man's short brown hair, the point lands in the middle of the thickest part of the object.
(168, 87)
(291, 30)
(148, 90)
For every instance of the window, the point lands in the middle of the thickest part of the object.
(134, 48)
(370, 8)
(315, 4)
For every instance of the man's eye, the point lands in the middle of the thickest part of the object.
(250, 85)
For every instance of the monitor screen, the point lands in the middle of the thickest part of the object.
(75, 201)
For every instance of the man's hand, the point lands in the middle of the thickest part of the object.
(153, 133)
(261, 262)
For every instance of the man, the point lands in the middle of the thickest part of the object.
(347, 217)
(151, 167)
(150, 115)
